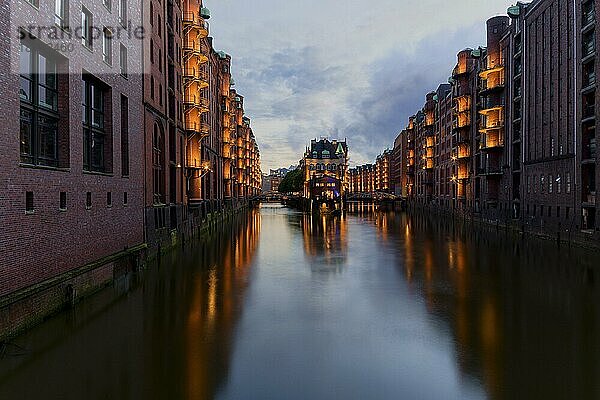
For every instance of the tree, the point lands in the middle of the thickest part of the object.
(293, 181)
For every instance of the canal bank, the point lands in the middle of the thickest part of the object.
(567, 235)
(25, 308)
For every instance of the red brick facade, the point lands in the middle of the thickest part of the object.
(39, 240)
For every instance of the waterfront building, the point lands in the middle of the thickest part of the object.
(325, 166)
(397, 166)
(382, 172)
(71, 175)
(559, 156)
(164, 131)
(424, 149)
(272, 181)
(464, 82)
(371, 178)
(162, 142)
(491, 164)
(443, 160)
(523, 134)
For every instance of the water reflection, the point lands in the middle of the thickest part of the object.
(215, 306)
(390, 306)
(325, 241)
(169, 336)
(524, 314)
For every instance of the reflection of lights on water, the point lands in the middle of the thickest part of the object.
(212, 294)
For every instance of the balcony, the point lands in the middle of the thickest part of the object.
(461, 137)
(195, 101)
(430, 142)
(194, 22)
(195, 48)
(429, 119)
(492, 125)
(462, 103)
(462, 120)
(195, 75)
(463, 174)
(588, 112)
(197, 127)
(589, 79)
(491, 142)
(463, 152)
(490, 85)
(588, 45)
(492, 67)
(460, 69)
(588, 16)
(489, 107)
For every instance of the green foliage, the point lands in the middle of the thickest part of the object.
(292, 182)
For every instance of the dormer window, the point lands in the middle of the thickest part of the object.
(314, 154)
(325, 154)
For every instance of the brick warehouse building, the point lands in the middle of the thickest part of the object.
(371, 178)
(71, 181)
(83, 201)
(524, 130)
(164, 135)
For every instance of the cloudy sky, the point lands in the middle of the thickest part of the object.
(341, 68)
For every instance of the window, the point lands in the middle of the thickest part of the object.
(151, 14)
(109, 199)
(107, 46)
(61, 16)
(95, 148)
(568, 182)
(123, 12)
(62, 203)
(88, 200)
(123, 58)
(151, 51)
(158, 160)
(86, 28)
(542, 184)
(529, 184)
(550, 184)
(125, 198)
(39, 108)
(107, 4)
(124, 135)
(29, 206)
(558, 185)
(34, 3)
(152, 87)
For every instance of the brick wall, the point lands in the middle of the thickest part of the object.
(48, 242)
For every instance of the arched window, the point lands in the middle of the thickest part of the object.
(158, 161)
(325, 153)
(311, 167)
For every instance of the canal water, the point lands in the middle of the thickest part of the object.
(284, 305)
